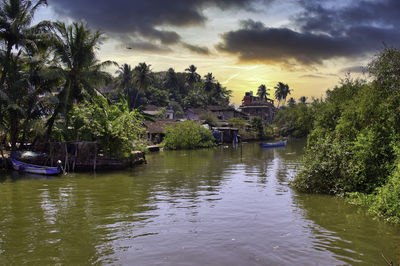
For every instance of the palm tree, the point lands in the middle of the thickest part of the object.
(21, 43)
(263, 92)
(125, 82)
(75, 56)
(142, 79)
(281, 91)
(303, 99)
(193, 77)
(172, 84)
(221, 95)
(15, 20)
(209, 82)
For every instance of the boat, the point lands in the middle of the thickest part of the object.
(35, 169)
(273, 144)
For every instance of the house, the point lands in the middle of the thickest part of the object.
(254, 106)
(155, 130)
(157, 111)
(223, 113)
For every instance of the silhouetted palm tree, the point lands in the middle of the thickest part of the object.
(142, 79)
(125, 82)
(263, 92)
(209, 82)
(16, 17)
(193, 77)
(172, 84)
(281, 91)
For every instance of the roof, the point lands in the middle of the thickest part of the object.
(157, 127)
(196, 110)
(151, 107)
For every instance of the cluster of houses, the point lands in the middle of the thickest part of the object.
(251, 106)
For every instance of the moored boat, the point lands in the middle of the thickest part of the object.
(273, 144)
(34, 169)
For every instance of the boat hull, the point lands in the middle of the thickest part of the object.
(34, 169)
(273, 145)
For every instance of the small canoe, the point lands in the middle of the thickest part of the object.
(34, 169)
(273, 144)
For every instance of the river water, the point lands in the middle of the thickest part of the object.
(221, 206)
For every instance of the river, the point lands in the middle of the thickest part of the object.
(220, 206)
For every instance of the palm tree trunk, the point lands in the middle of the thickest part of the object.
(134, 103)
(6, 64)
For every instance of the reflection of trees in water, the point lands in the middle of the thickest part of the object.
(68, 220)
(348, 231)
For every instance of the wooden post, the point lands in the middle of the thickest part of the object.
(66, 157)
(2, 156)
(51, 154)
(75, 156)
(95, 157)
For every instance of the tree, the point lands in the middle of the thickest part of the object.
(209, 82)
(15, 29)
(220, 95)
(303, 99)
(263, 92)
(21, 45)
(281, 91)
(125, 82)
(142, 79)
(258, 126)
(172, 84)
(75, 60)
(292, 101)
(192, 77)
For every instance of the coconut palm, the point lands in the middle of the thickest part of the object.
(209, 82)
(20, 79)
(172, 84)
(142, 79)
(263, 92)
(76, 62)
(125, 83)
(281, 92)
(15, 29)
(192, 77)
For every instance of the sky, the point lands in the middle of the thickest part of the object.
(308, 44)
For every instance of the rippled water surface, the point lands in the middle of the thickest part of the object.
(222, 206)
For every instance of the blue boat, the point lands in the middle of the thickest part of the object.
(273, 144)
(35, 169)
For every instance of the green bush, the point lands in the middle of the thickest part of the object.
(187, 135)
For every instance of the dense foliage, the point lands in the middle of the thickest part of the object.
(354, 144)
(187, 135)
(295, 119)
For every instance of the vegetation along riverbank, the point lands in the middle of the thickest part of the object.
(55, 92)
(353, 147)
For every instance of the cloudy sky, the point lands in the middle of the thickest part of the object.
(309, 44)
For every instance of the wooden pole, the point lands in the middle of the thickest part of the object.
(95, 157)
(66, 157)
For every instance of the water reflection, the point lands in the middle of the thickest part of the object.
(216, 207)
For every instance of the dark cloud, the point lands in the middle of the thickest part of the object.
(143, 19)
(353, 69)
(322, 31)
(197, 49)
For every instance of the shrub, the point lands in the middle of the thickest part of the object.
(187, 135)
